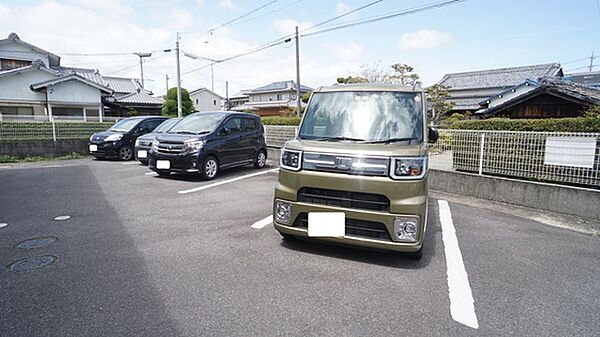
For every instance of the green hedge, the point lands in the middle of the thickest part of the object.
(588, 124)
(279, 120)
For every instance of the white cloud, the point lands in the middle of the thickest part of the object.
(346, 51)
(110, 6)
(341, 8)
(200, 3)
(287, 26)
(181, 19)
(226, 5)
(424, 39)
(4, 11)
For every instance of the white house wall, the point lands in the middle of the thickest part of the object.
(15, 87)
(73, 92)
(15, 51)
(206, 101)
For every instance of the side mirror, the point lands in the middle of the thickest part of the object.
(433, 135)
(224, 132)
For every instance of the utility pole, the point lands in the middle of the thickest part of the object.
(592, 62)
(166, 83)
(141, 56)
(179, 111)
(226, 95)
(298, 98)
(212, 78)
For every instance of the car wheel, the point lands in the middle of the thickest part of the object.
(287, 237)
(144, 162)
(261, 159)
(125, 153)
(210, 168)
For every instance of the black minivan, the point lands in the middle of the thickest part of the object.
(118, 141)
(205, 143)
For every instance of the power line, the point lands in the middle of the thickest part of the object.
(414, 10)
(270, 12)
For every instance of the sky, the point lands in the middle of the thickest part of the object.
(465, 36)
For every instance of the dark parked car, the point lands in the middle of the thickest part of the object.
(143, 143)
(205, 143)
(118, 141)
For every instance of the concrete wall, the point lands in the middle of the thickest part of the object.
(73, 92)
(44, 148)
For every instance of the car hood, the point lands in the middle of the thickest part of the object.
(148, 136)
(103, 134)
(357, 149)
(178, 138)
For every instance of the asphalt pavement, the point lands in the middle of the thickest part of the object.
(139, 258)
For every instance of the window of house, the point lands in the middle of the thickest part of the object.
(16, 110)
(214, 102)
(196, 101)
(6, 64)
(62, 111)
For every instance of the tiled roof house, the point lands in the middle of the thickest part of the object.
(468, 89)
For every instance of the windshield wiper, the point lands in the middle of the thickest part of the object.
(203, 132)
(335, 139)
(186, 132)
(393, 140)
(118, 130)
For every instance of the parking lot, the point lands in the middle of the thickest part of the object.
(151, 256)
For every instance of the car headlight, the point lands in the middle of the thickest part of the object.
(114, 138)
(194, 145)
(137, 142)
(406, 228)
(408, 167)
(92, 136)
(290, 159)
(154, 145)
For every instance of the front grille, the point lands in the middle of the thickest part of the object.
(146, 143)
(354, 227)
(169, 148)
(345, 199)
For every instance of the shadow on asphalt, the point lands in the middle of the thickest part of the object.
(99, 285)
(226, 174)
(382, 258)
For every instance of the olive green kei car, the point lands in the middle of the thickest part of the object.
(356, 173)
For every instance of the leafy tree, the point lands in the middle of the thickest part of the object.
(306, 96)
(438, 105)
(352, 79)
(404, 74)
(592, 112)
(170, 106)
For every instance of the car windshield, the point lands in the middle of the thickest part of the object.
(381, 116)
(166, 125)
(124, 125)
(198, 123)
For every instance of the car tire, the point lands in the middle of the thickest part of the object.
(144, 162)
(210, 168)
(164, 174)
(261, 159)
(417, 255)
(125, 153)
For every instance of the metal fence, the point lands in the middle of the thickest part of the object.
(56, 118)
(53, 130)
(570, 158)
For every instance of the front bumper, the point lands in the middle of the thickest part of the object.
(187, 163)
(143, 148)
(407, 198)
(104, 149)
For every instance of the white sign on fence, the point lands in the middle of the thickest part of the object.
(571, 151)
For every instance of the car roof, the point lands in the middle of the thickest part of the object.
(146, 117)
(370, 87)
(227, 113)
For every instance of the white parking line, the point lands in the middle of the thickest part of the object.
(50, 166)
(5, 167)
(462, 308)
(151, 173)
(131, 163)
(262, 223)
(201, 188)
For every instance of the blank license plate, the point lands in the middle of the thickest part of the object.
(142, 154)
(93, 148)
(163, 164)
(326, 224)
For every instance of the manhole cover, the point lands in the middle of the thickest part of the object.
(36, 243)
(33, 262)
(3, 224)
(62, 217)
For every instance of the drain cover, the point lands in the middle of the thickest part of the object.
(3, 224)
(62, 217)
(36, 243)
(33, 262)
